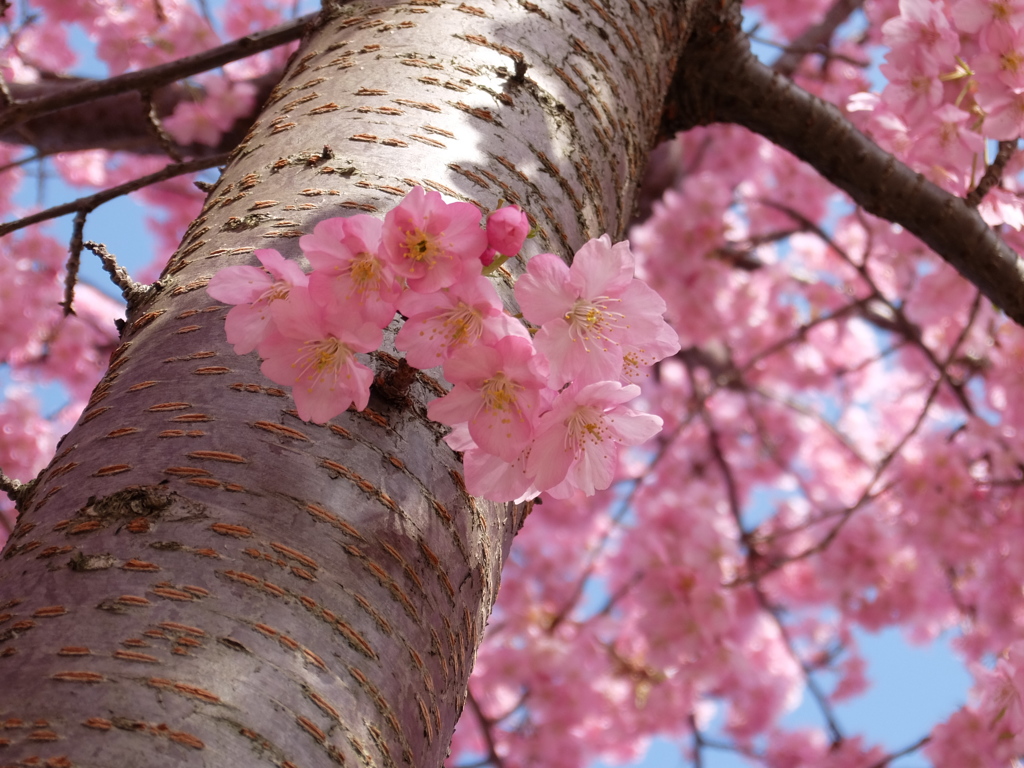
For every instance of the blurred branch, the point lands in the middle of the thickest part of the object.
(82, 91)
(698, 743)
(993, 174)
(816, 38)
(486, 724)
(5, 93)
(903, 752)
(23, 161)
(91, 202)
(884, 313)
(889, 457)
(754, 557)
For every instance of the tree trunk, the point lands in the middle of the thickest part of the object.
(199, 578)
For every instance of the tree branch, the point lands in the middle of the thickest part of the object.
(82, 91)
(159, 132)
(132, 291)
(815, 37)
(753, 557)
(91, 202)
(485, 723)
(725, 83)
(993, 174)
(5, 93)
(903, 752)
(119, 122)
(74, 262)
(15, 489)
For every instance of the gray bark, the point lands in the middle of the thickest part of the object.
(199, 578)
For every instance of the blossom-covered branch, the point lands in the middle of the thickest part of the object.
(729, 84)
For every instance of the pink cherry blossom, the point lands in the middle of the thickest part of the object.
(250, 16)
(49, 45)
(443, 322)
(431, 242)
(348, 268)
(948, 140)
(921, 37)
(972, 16)
(1004, 110)
(1002, 56)
(591, 312)
(637, 358)
(507, 229)
(497, 391)
(27, 439)
(911, 93)
(204, 120)
(577, 440)
(253, 291)
(489, 476)
(313, 350)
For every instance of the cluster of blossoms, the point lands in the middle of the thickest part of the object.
(955, 71)
(534, 408)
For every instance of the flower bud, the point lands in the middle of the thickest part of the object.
(507, 229)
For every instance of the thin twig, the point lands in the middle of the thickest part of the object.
(132, 291)
(993, 174)
(91, 202)
(810, 413)
(698, 743)
(900, 324)
(800, 333)
(886, 460)
(820, 50)
(15, 489)
(154, 77)
(819, 696)
(625, 504)
(204, 8)
(485, 726)
(74, 262)
(157, 127)
(615, 596)
(903, 752)
(24, 161)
